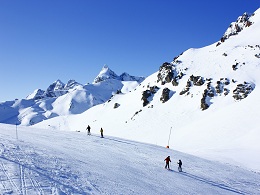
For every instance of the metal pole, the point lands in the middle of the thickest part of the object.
(16, 132)
(169, 136)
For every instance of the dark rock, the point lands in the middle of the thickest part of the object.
(148, 93)
(118, 91)
(236, 27)
(136, 113)
(154, 89)
(226, 91)
(165, 95)
(188, 84)
(116, 105)
(166, 73)
(257, 55)
(234, 67)
(243, 90)
(175, 82)
(203, 104)
(184, 91)
(145, 95)
(227, 82)
(197, 80)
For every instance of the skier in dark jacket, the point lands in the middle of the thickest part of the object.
(179, 168)
(167, 160)
(101, 132)
(88, 129)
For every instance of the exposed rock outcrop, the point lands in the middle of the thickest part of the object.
(166, 73)
(116, 105)
(165, 95)
(236, 27)
(148, 94)
(243, 90)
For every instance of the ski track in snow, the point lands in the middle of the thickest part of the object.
(75, 163)
(33, 174)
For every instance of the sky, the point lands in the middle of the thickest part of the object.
(43, 41)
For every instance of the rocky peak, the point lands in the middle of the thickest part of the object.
(57, 85)
(126, 77)
(37, 94)
(236, 27)
(55, 89)
(71, 84)
(105, 73)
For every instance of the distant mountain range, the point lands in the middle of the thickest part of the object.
(64, 99)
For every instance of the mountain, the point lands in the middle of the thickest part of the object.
(65, 99)
(106, 73)
(205, 102)
(40, 161)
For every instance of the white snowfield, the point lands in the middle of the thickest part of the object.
(227, 131)
(36, 161)
(56, 156)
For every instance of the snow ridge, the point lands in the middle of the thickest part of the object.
(237, 26)
(64, 99)
(107, 73)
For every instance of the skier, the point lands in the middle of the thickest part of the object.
(167, 160)
(88, 129)
(101, 132)
(179, 168)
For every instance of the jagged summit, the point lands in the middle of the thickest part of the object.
(56, 89)
(64, 99)
(235, 27)
(36, 94)
(106, 73)
(71, 84)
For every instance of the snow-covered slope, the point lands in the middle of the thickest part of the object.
(59, 162)
(204, 102)
(64, 99)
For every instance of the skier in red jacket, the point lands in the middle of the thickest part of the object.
(167, 160)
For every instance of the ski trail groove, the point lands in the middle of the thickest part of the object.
(26, 173)
(35, 183)
(3, 184)
(22, 179)
(3, 168)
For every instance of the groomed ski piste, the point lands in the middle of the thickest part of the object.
(35, 161)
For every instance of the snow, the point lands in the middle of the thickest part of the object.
(61, 99)
(219, 146)
(227, 131)
(64, 162)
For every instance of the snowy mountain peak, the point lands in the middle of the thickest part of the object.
(235, 27)
(55, 89)
(56, 85)
(106, 73)
(126, 77)
(37, 94)
(71, 84)
(64, 99)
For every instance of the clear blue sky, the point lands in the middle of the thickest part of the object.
(45, 40)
